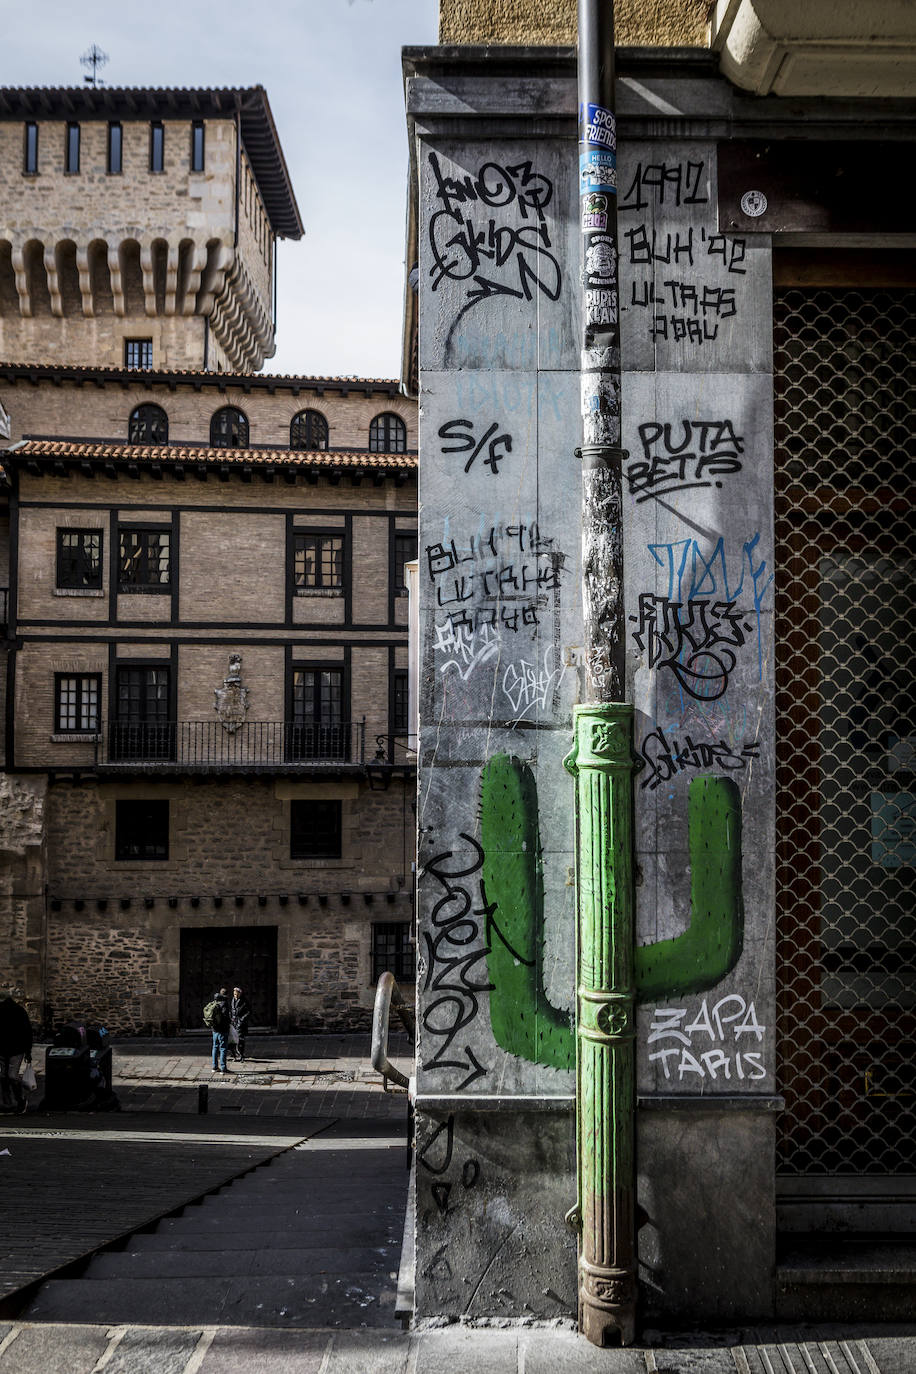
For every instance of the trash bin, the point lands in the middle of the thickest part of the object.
(67, 1077)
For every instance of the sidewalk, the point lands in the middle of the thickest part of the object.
(91, 1349)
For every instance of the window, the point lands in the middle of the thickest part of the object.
(197, 146)
(72, 149)
(79, 559)
(76, 699)
(392, 951)
(317, 729)
(405, 551)
(142, 728)
(138, 353)
(387, 434)
(229, 429)
(314, 830)
(30, 149)
(156, 147)
(399, 702)
(149, 424)
(318, 562)
(309, 430)
(114, 149)
(141, 830)
(144, 560)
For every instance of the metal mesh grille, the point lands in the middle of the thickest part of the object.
(845, 398)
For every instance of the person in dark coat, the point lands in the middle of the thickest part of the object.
(239, 1015)
(15, 1045)
(219, 1024)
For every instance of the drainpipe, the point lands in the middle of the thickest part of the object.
(601, 758)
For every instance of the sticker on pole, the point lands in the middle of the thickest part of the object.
(597, 127)
(597, 172)
(594, 212)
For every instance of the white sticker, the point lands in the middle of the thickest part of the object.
(754, 203)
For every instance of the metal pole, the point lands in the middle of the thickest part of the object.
(601, 758)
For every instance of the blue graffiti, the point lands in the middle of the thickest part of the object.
(693, 574)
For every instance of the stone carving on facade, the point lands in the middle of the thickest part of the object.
(231, 700)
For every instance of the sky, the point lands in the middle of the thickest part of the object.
(332, 72)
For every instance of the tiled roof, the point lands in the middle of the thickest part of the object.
(76, 451)
(245, 381)
(259, 133)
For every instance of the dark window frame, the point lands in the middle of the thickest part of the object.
(71, 579)
(85, 683)
(302, 431)
(143, 583)
(322, 732)
(198, 154)
(143, 349)
(393, 951)
(404, 540)
(143, 416)
(72, 141)
(129, 824)
(308, 840)
(156, 146)
(220, 435)
(115, 147)
(387, 433)
(323, 541)
(30, 148)
(400, 701)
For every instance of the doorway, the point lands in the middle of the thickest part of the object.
(227, 956)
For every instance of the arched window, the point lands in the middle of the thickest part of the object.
(229, 429)
(308, 430)
(387, 434)
(148, 425)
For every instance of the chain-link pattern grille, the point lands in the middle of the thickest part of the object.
(845, 401)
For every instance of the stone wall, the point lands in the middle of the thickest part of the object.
(638, 23)
(97, 413)
(22, 889)
(114, 926)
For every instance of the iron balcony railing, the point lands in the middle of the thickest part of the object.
(206, 744)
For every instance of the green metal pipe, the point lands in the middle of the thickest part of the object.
(601, 761)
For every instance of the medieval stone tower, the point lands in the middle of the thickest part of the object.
(139, 227)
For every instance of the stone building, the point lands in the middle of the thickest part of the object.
(763, 285)
(207, 770)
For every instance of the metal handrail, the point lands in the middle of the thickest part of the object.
(388, 994)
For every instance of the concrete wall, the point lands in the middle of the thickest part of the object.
(501, 641)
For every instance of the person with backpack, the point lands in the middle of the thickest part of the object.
(216, 1016)
(15, 1045)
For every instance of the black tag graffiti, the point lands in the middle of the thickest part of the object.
(465, 443)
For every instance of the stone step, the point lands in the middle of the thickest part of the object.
(367, 1233)
(249, 1300)
(237, 1263)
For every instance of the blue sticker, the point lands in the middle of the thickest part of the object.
(597, 172)
(597, 126)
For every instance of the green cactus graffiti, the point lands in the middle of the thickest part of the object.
(524, 1023)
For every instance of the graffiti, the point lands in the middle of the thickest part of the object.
(466, 647)
(435, 1156)
(464, 443)
(454, 948)
(695, 640)
(469, 245)
(501, 579)
(684, 246)
(702, 306)
(523, 1021)
(719, 1030)
(455, 945)
(526, 686)
(662, 759)
(704, 450)
(693, 573)
(681, 182)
